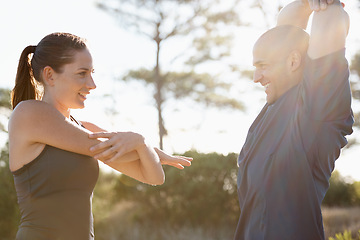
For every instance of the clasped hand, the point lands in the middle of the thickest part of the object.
(118, 144)
(317, 5)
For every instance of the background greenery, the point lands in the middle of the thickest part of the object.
(199, 202)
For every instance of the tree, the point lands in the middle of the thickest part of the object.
(8, 201)
(5, 105)
(204, 25)
(355, 68)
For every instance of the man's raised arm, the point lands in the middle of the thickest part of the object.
(296, 13)
(329, 30)
(329, 27)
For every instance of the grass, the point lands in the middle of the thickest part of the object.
(120, 224)
(341, 219)
(340, 223)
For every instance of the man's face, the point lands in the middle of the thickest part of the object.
(270, 70)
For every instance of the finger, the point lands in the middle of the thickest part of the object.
(176, 165)
(184, 161)
(108, 153)
(187, 158)
(121, 149)
(106, 159)
(183, 158)
(103, 159)
(116, 154)
(102, 145)
(316, 5)
(323, 4)
(311, 4)
(101, 135)
(330, 1)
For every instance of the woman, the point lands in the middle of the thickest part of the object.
(53, 156)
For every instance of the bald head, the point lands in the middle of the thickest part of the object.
(281, 40)
(278, 59)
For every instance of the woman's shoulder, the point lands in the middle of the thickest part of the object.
(29, 105)
(33, 107)
(29, 112)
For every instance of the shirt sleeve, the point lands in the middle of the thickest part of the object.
(328, 116)
(327, 94)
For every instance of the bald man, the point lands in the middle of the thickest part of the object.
(291, 147)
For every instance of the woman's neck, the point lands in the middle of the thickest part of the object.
(63, 110)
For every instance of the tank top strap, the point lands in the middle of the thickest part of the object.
(76, 121)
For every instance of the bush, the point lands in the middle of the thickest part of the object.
(200, 200)
(204, 193)
(345, 236)
(9, 211)
(342, 193)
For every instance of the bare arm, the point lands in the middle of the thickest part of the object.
(34, 124)
(120, 153)
(37, 122)
(128, 153)
(146, 169)
(296, 13)
(121, 157)
(329, 30)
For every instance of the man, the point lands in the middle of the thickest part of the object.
(291, 147)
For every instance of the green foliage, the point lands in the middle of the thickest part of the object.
(200, 200)
(4, 105)
(355, 64)
(104, 195)
(341, 193)
(5, 98)
(205, 193)
(345, 236)
(356, 193)
(8, 201)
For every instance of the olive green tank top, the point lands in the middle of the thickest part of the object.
(55, 196)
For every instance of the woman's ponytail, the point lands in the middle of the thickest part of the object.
(25, 83)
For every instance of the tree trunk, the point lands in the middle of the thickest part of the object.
(158, 94)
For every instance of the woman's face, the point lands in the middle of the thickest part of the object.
(74, 83)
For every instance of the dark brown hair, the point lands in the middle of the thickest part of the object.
(54, 50)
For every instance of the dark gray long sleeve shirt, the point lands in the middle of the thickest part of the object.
(289, 154)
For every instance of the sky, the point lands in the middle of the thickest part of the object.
(114, 51)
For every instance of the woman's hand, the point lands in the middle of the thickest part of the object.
(175, 161)
(116, 145)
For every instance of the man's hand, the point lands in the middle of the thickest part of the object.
(320, 5)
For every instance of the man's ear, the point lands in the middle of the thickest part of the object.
(48, 76)
(294, 60)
